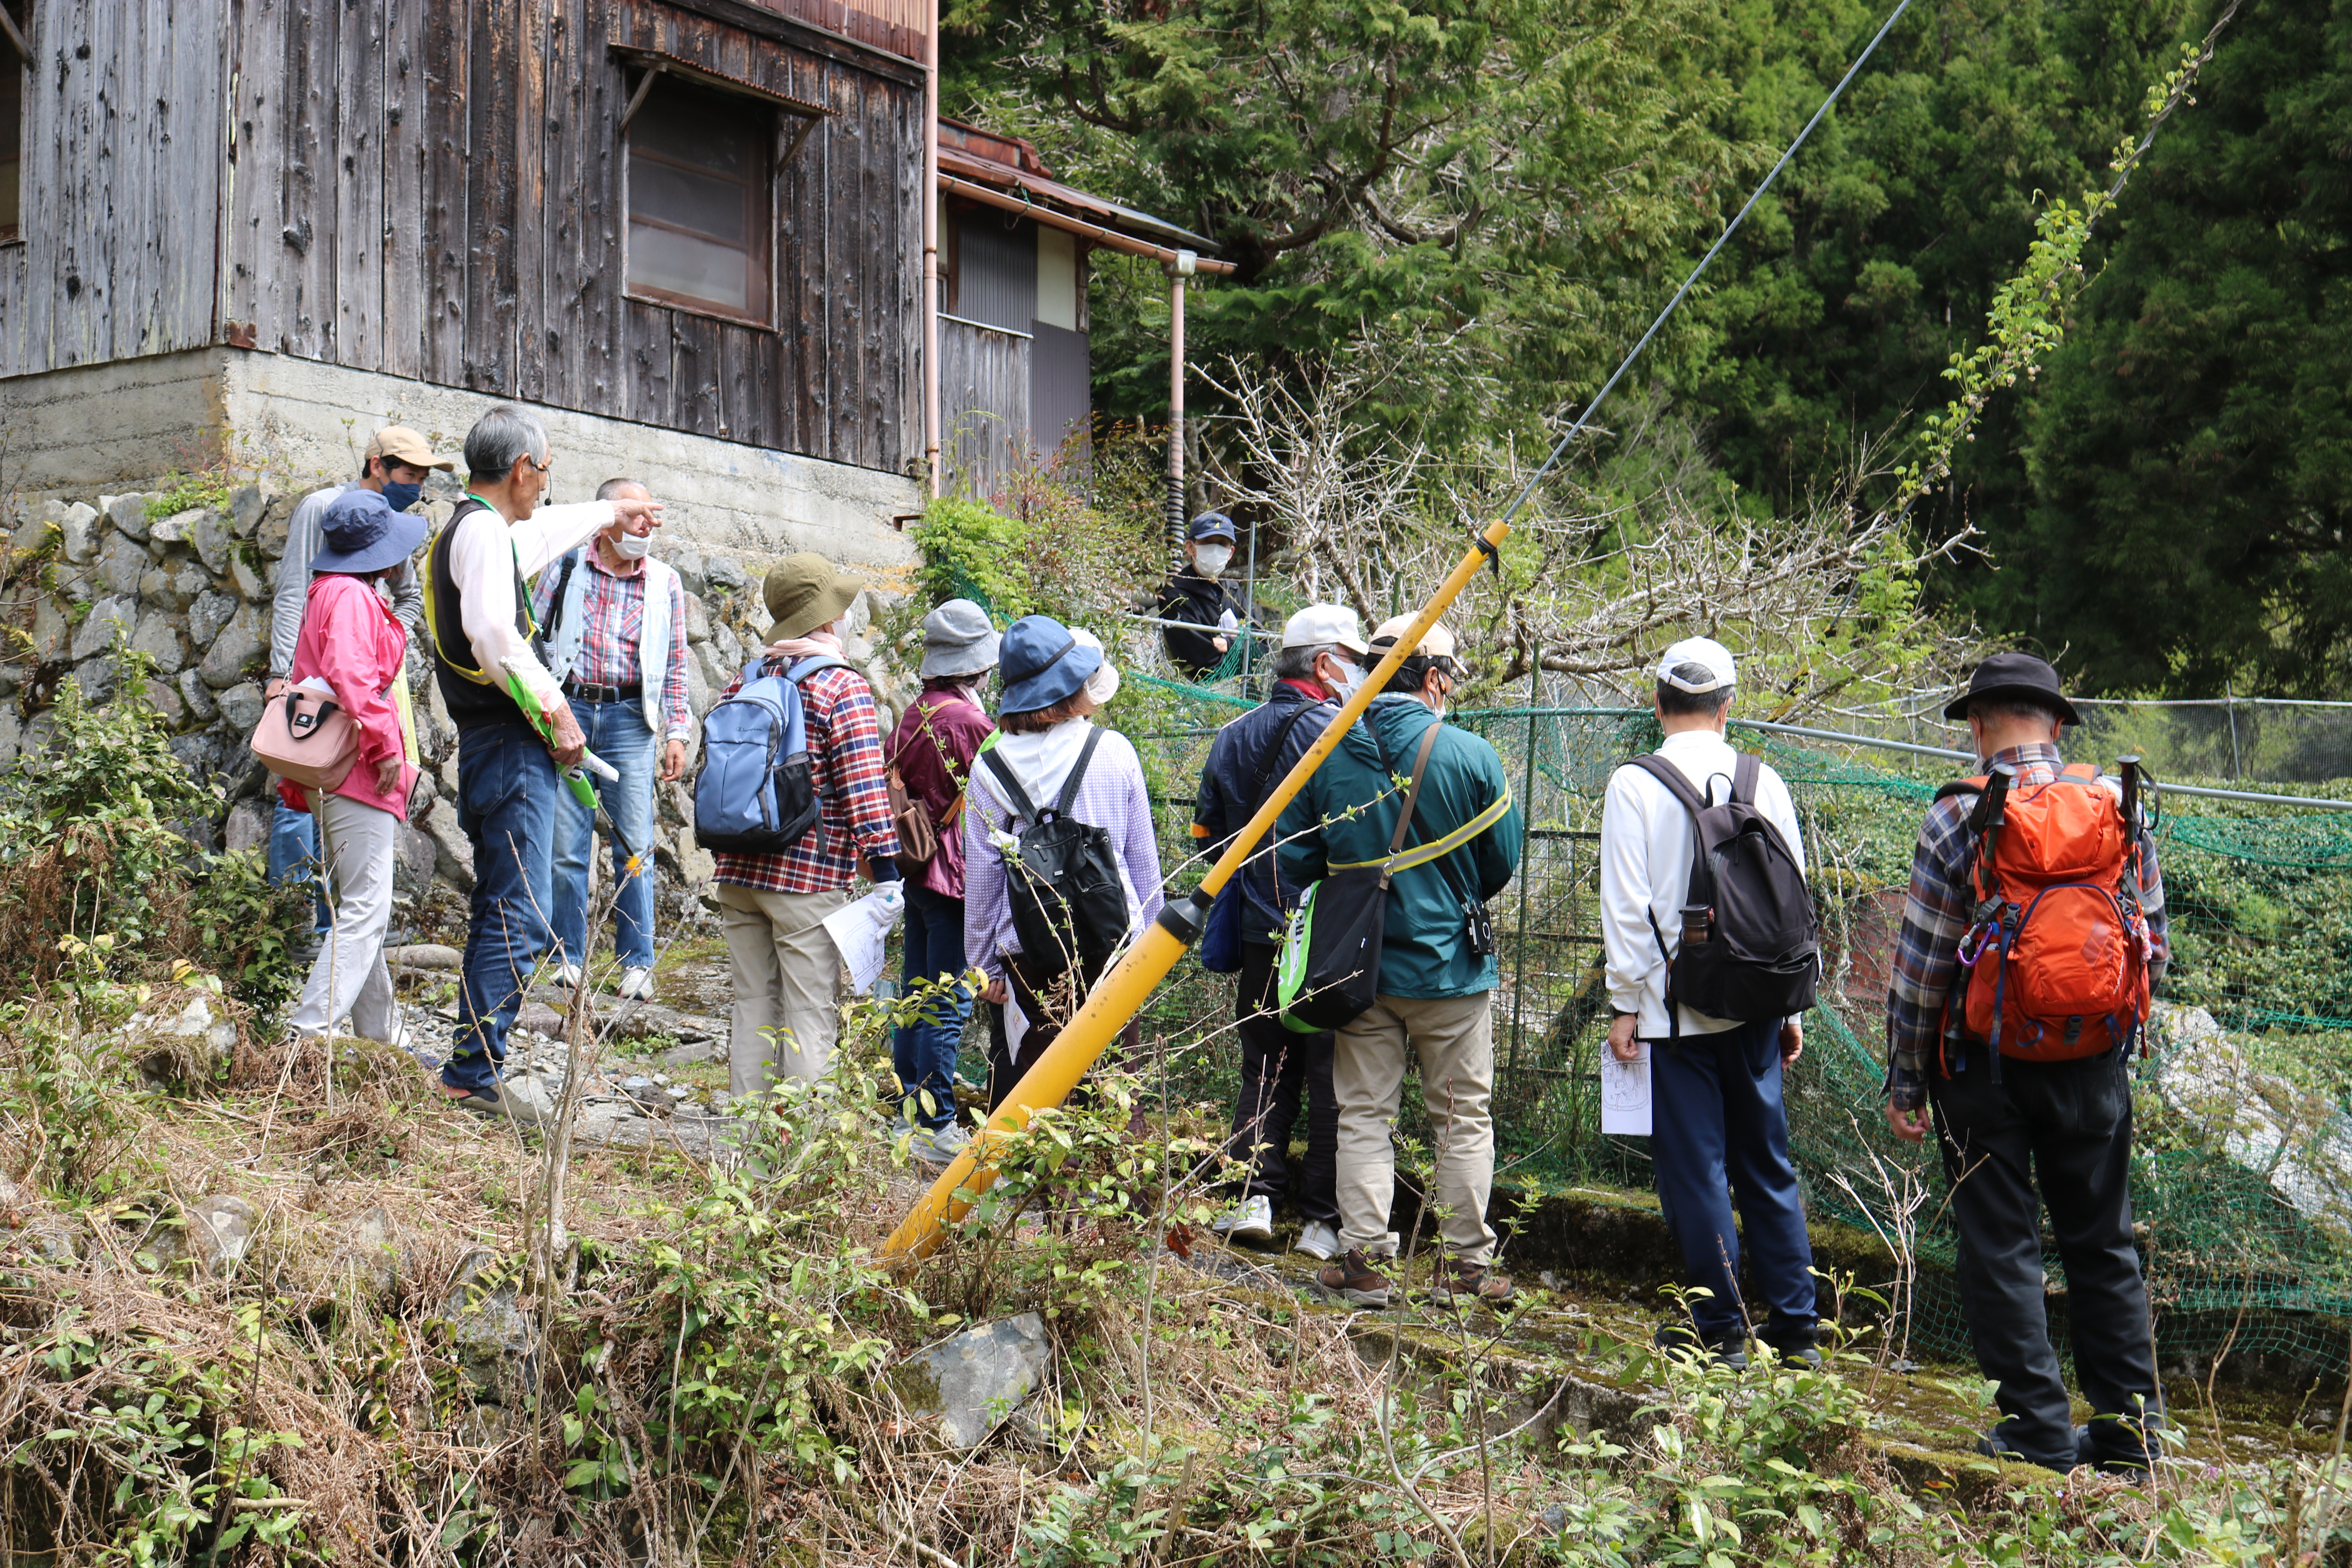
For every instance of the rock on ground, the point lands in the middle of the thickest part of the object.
(976, 1379)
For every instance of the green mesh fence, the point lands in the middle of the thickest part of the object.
(2242, 1177)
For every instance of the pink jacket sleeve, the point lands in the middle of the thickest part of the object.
(347, 622)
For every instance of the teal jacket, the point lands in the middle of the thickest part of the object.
(1348, 812)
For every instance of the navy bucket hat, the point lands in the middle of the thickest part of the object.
(360, 533)
(1041, 663)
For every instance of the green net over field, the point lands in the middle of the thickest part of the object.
(2242, 1175)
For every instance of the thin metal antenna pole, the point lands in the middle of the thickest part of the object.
(1731, 228)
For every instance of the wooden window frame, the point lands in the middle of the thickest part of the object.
(13, 234)
(760, 198)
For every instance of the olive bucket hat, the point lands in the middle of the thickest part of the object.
(806, 592)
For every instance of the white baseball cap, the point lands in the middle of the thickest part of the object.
(1319, 626)
(1437, 642)
(1709, 653)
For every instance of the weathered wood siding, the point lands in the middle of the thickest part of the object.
(434, 188)
(984, 390)
(122, 181)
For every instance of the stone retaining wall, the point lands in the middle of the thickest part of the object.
(191, 588)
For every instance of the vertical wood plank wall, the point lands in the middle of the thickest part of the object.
(434, 188)
(984, 388)
(121, 183)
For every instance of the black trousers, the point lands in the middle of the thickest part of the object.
(2066, 1126)
(1048, 1005)
(1280, 1067)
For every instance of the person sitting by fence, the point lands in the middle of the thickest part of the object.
(612, 619)
(1719, 1125)
(1053, 792)
(352, 641)
(1437, 971)
(787, 969)
(1197, 597)
(1323, 658)
(2042, 1099)
(930, 758)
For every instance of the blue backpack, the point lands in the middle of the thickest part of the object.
(756, 795)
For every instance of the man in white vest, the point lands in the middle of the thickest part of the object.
(613, 620)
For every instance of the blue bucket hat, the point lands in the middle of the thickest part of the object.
(362, 534)
(1212, 525)
(1041, 663)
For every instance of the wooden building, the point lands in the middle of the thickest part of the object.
(1015, 364)
(687, 230)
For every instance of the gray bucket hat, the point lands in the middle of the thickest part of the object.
(957, 641)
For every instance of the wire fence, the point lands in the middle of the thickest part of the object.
(2242, 1177)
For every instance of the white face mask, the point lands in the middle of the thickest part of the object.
(1212, 559)
(632, 546)
(1352, 679)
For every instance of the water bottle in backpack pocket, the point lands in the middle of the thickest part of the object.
(1069, 901)
(757, 792)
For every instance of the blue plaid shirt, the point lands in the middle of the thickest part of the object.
(1936, 915)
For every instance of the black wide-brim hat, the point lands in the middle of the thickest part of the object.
(2014, 675)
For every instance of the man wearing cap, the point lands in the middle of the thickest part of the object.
(1196, 596)
(394, 467)
(1437, 971)
(478, 615)
(613, 621)
(1718, 1123)
(787, 968)
(2063, 1126)
(930, 755)
(1323, 658)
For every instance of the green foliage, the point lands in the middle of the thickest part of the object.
(971, 551)
(98, 838)
(2191, 472)
(181, 492)
(1489, 188)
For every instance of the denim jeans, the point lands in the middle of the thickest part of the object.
(925, 1053)
(507, 786)
(1720, 1128)
(294, 853)
(617, 732)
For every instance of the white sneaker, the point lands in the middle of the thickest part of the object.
(942, 1146)
(636, 983)
(1253, 1220)
(1318, 1240)
(566, 975)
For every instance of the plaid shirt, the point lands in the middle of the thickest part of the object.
(1936, 916)
(612, 613)
(844, 743)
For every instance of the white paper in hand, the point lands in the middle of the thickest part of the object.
(1625, 1093)
(860, 928)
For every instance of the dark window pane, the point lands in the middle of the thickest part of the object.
(698, 128)
(688, 199)
(12, 135)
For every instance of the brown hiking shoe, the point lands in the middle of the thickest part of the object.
(1456, 1280)
(1354, 1280)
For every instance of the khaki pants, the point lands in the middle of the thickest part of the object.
(788, 984)
(1453, 1037)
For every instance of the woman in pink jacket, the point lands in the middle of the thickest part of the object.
(351, 641)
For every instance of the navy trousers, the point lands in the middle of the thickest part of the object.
(1719, 1128)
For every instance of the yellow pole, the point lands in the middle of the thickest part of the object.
(1121, 992)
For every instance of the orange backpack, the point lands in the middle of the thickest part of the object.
(2057, 952)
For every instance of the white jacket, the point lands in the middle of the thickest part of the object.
(1646, 864)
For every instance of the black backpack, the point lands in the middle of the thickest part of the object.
(1755, 953)
(1069, 904)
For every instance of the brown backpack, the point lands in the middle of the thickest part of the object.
(918, 835)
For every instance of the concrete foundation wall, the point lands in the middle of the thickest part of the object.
(127, 422)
